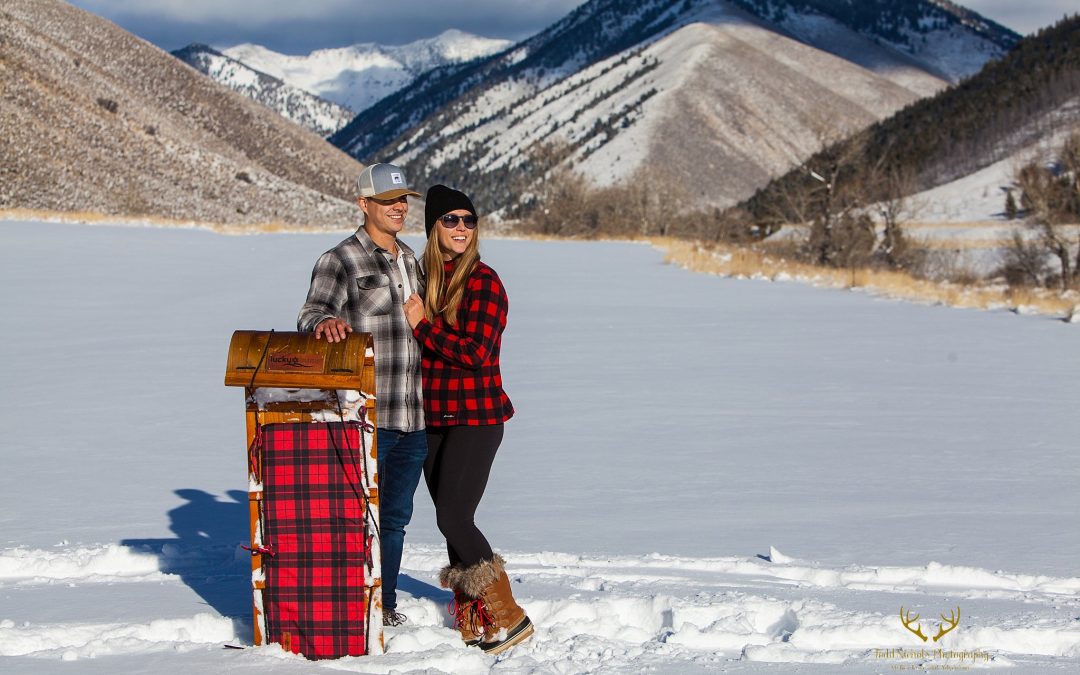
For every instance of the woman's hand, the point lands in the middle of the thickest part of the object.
(414, 310)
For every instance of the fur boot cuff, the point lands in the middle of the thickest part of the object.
(473, 580)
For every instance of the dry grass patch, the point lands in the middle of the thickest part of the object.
(95, 218)
(743, 262)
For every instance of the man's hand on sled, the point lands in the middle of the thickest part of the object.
(333, 328)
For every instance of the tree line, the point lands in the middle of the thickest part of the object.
(989, 116)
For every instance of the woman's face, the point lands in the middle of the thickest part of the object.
(454, 240)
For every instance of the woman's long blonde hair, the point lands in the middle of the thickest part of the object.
(442, 298)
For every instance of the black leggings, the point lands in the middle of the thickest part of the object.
(456, 470)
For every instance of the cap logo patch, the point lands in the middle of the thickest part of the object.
(396, 178)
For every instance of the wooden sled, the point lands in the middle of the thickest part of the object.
(312, 490)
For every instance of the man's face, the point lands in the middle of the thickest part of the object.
(384, 216)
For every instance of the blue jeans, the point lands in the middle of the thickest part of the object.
(401, 461)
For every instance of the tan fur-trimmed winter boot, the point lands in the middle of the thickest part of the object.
(470, 615)
(510, 625)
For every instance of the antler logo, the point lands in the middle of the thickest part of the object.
(952, 622)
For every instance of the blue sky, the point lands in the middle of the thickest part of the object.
(300, 26)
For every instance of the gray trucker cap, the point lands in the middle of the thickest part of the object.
(383, 181)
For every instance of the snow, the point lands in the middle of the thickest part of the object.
(359, 75)
(221, 68)
(826, 33)
(704, 474)
(955, 51)
(320, 115)
(980, 196)
(967, 216)
(951, 50)
(678, 54)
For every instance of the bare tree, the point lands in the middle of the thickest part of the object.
(838, 233)
(659, 202)
(734, 225)
(791, 202)
(558, 206)
(1050, 196)
(1070, 160)
(896, 208)
(1025, 262)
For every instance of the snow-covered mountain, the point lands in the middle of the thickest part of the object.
(941, 35)
(716, 95)
(358, 76)
(310, 111)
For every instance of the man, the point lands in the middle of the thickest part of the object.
(361, 284)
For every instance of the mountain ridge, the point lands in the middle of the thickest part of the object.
(903, 26)
(456, 122)
(312, 112)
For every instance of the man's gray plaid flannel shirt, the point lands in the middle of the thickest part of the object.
(359, 282)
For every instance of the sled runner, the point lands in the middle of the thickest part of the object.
(312, 495)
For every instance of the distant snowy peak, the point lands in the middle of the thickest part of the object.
(359, 75)
(310, 111)
(452, 46)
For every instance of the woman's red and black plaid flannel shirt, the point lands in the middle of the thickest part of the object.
(460, 364)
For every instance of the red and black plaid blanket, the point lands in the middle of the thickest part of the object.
(313, 522)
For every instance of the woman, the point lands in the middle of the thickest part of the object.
(459, 325)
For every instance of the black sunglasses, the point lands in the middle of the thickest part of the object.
(451, 220)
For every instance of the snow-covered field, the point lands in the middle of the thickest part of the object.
(704, 474)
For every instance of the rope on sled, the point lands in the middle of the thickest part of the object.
(358, 461)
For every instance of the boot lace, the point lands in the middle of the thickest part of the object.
(392, 617)
(470, 614)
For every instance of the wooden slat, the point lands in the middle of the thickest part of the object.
(257, 587)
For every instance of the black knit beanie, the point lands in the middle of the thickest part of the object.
(441, 200)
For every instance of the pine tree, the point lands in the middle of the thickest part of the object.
(1010, 205)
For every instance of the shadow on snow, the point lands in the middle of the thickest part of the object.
(206, 553)
(207, 557)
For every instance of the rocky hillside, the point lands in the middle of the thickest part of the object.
(95, 119)
(708, 96)
(306, 109)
